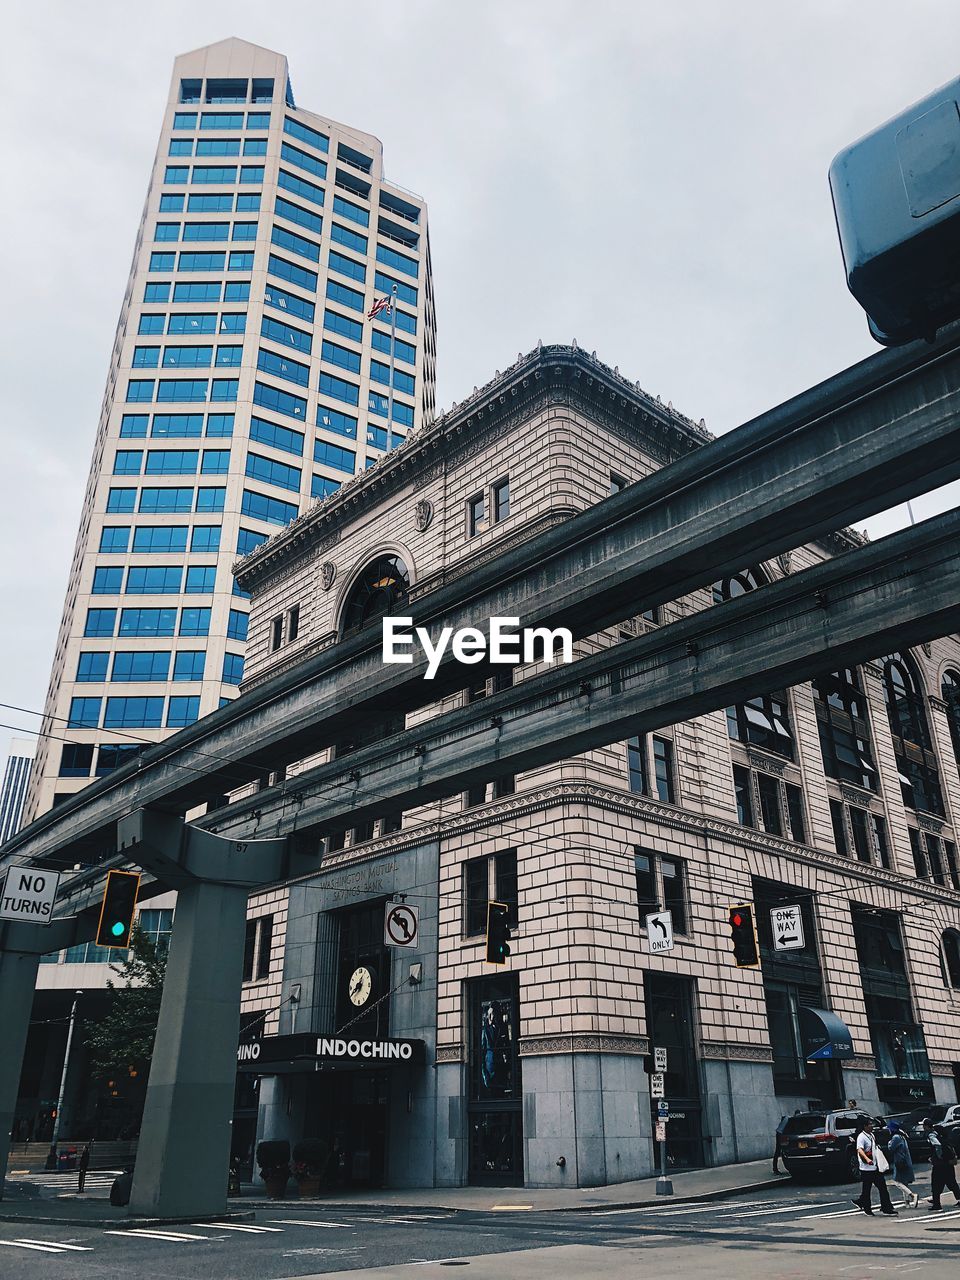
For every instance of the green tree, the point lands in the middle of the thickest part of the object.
(121, 1044)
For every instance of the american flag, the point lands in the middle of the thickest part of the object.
(381, 305)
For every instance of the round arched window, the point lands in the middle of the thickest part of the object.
(380, 588)
(738, 584)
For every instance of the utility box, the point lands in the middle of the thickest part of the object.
(896, 196)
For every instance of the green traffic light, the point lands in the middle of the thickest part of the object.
(118, 929)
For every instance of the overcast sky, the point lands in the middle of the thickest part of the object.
(649, 179)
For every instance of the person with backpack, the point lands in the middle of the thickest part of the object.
(873, 1165)
(901, 1164)
(943, 1165)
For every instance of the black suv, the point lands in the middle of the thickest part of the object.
(945, 1115)
(823, 1142)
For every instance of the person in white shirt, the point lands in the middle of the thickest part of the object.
(873, 1163)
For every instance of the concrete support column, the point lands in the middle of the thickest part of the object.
(184, 1151)
(18, 977)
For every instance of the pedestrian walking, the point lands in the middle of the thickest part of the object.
(873, 1164)
(901, 1165)
(943, 1165)
(82, 1167)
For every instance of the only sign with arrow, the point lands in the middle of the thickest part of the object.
(659, 932)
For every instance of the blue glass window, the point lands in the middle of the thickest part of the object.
(175, 174)
(236, 291)
(156, 500)
(128, 462)
(296, 244)
(343, 325)
(342, 423)
(132, 667)
(121, 501)
(283, 367)
(233, 322)
(288, 303)
(182, 711)
(258, 119)
(272, 510)
(293, 155)
(188, 665)
(106, 581)
(339, 389)
(279, 401)
(249, 541)
(194, 620)
(211, 498)
(290, 272)
(157, 293)
(321, 487)
(341, 356)
(84, 713)
(202, 261)
(347, 209)
(205, 231)
(244, 231)
(133, 713)
(232, 668)
(406, 323)
(300, 187)
(405, 292)
(286, 335)
(216, 462)
(220, 424)
(218, 147)
(378, 404)
(254, 146)
(270, 433)
(349, 239)
(200, 579)
(399, 261)
(251, 173)
(148, 622)
(162, 261)
(221, 120)
(222, 175)
(240, 262)
(182, 389)
(237, 625)
(205, 537)
(203, 203)
(319, 141)
(171, 204)
(177, 424)
(140, 389)
(133, 425)
(224, 389)
(151, 324)
(333, 455)
(100, 622)
(294, 213)
(248, 202)
(239, 591)
(380, 372)
(146, 357)
(265, 469)
(192, 323)
(376, 437)
(154, 580)
(92, 668)
(180, 147)
(167, 231)
(114, 538)
(402, 350)
(172, 462)
(227, 91)
(151, 539)
(187, 357)
(347, 267)
(197, 291)
(185, 120)
(346, 297)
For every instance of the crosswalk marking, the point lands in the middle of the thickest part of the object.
(944, 1217)
(35, 1245)
(59, 1244)
(313, 1222)
(179, 1237)
(665, 1211)
(235, 1226)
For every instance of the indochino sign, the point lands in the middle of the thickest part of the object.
(274, 1055)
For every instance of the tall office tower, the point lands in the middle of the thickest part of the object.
(246, 381)
(13, 790)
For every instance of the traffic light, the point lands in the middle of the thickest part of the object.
(498, 933)
(116, 912)
(746, 952)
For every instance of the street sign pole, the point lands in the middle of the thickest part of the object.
(657, 1090)
(664, 1185)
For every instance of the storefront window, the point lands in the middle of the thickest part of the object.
(494, 1113)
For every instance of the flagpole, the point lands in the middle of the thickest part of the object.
(393, 344)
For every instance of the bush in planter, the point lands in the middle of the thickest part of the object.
(309, 1165)
(274, 1161)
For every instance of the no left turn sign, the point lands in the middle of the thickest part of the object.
(401, 925)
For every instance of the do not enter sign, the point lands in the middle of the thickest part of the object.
(401, 925)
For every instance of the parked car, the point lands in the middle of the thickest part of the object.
(945, 1114)
(817, 1142)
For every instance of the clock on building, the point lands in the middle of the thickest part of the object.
(360, 986)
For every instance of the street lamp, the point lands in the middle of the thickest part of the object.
(52, 1154)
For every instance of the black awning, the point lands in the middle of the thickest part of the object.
(823, 1035)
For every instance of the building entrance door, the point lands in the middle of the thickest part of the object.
(495, 1100)
(349, 1113)
(670, 1026)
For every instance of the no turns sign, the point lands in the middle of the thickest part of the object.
(29, 894)
(401, 925)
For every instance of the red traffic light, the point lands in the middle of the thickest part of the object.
(743, 934)
(736, 919)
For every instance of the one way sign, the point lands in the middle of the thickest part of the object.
(659, 932)
(787, 923)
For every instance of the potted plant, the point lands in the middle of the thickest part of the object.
(309, 1166)
(274, 1161)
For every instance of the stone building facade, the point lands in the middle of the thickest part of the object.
(839, 798)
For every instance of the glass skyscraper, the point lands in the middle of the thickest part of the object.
(246, 381)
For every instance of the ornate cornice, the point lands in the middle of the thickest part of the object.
(726, 1050)
(861, 1062)
(941, 1068)
(585, 1042)
(450, 1053)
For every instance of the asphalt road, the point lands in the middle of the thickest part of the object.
(787, 1233)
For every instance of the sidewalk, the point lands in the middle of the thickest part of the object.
(25, 1204)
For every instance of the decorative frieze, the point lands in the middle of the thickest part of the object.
(539, 1046)
(724, 1050)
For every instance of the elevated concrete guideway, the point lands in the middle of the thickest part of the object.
(885, 430)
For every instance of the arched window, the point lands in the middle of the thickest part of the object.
(903, 691)
(844, 732)
(763, 720)
(950, 692)
(378, 590)
(951, 958)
